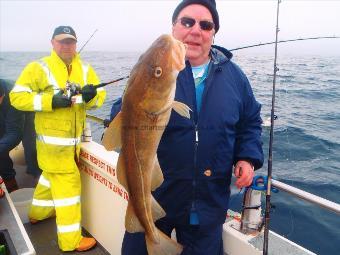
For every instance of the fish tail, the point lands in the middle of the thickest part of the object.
(165, 246)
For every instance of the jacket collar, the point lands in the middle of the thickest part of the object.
(55, 56)
(220, 55)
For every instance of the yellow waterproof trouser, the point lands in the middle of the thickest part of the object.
(60, 194)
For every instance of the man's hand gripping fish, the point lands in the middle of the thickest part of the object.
(137, 130)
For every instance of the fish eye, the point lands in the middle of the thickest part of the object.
(158, 72)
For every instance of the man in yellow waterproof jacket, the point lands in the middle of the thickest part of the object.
(42, 87)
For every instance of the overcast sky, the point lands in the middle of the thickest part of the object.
(133, 25)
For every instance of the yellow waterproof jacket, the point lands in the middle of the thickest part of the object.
(58, 130)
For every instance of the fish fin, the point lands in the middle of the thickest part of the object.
(181, 109)
(157, 176)
(112, 135)
(157, 211)
(121, 173)
(165, 246)
(132, 223)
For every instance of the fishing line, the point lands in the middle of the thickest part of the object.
(289, 156)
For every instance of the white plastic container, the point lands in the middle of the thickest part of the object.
(18, 156)
(22, 199)
(87, 135)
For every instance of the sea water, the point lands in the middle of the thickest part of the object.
(306, 149)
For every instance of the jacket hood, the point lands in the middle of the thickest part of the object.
(220, 55)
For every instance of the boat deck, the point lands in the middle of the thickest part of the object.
(44, 239)
(43, 235)
(236, 242)
(278, 246)
(14, 236)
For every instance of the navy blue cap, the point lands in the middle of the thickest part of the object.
(210, 4)
(64, 32)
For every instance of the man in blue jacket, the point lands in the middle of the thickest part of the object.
(198, 156)
(11, 128)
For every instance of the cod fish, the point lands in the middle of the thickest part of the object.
(137, 129)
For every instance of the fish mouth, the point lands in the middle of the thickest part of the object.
(178, 55)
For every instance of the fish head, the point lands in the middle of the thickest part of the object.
(153, 79)
(164, 56)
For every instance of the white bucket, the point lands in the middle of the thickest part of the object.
(18, 155)
(22, 199)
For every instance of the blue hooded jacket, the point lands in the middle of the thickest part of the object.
(197, 155)
(11, 121)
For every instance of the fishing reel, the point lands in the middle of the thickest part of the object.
(72, 89)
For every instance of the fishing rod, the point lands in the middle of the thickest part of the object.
(105, 122)
(104, 83)
(235, 49)
(246, 47)
(270, 154)
(94, 118)
(283, 41)
(110, 82)
(87, 41)
(73, 89)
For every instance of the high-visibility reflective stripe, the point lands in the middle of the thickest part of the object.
(51, 80)
(66, 201)
(85, 71)
(37, 103)
(98, 91)
(20, 88)
(57, 202)
(97, 102)
(77, 99)
(58, 140)
(68, 228)
(44, 203)
(43, 181)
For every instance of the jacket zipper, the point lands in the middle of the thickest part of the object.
(193, 212)
(75, 137)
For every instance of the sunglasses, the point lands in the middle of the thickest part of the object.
(190, 22)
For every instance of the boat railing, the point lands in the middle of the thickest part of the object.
(329, 205)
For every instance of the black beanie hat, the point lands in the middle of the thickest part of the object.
(210, 4)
